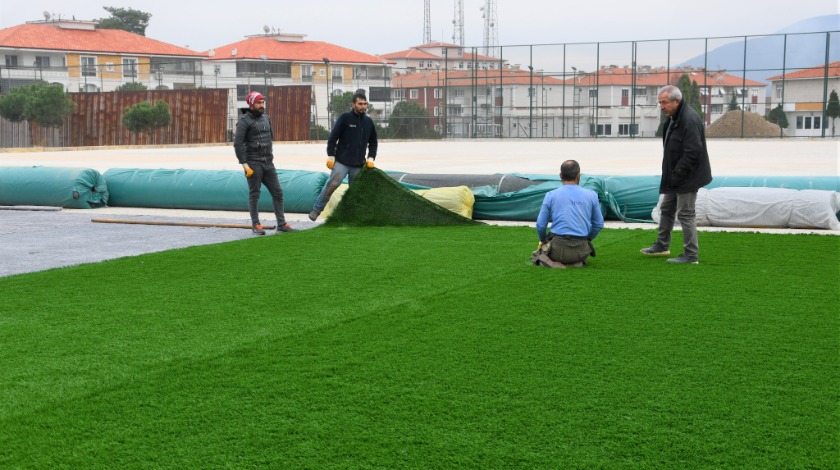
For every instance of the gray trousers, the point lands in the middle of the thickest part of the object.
(265, 174)
(680, 207)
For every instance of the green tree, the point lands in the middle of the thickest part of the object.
(131, 86)
(143, 117)
(833, 109)
(126, 19)
(342, 103)
(733, 103)
(39, 103)
(691, 94)
(318, 132)
(777, 116)
(409, 120)
(48, 105)
(12, 104)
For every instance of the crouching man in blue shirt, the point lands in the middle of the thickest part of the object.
(576, 220)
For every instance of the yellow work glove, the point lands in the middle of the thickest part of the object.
(248, 170)
(370, 162)
(331, 162)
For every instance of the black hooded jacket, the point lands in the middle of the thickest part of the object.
(352, 136)
(685, 163)
(253, 138)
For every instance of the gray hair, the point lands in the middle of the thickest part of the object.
(674, 93)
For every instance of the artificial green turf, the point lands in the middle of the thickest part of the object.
(375, 199)
(430, 347)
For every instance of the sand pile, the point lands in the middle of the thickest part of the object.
(729, 125)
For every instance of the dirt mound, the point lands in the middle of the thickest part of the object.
(729, 125)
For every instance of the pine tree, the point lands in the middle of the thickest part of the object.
(833, 109)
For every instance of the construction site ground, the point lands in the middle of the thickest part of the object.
(37, 238)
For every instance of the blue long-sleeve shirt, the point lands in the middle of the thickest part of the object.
(572, 210)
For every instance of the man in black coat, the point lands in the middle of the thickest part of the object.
(253, 147)
(685, 169)
(353, 136)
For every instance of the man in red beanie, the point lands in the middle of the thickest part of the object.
(252, 145)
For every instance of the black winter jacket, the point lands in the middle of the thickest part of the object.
(352, 136)
(253, 138)
(685, 163)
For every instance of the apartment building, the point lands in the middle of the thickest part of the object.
(82, 58)
(804, 96)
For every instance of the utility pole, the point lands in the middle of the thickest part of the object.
(458, 24)
(427, 24)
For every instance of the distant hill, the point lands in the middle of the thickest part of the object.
(765, 53)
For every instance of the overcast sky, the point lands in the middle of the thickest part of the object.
(381, 26)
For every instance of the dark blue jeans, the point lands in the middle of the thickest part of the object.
(265, 174)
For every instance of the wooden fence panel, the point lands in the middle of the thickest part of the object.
(198, 117)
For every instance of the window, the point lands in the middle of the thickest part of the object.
(243, 90)
(593, 93)
(42, 61)
(129, 68)
(458, 93)
(454, 111)
(436, 111)
(603, 129)
(779, 91)
(807, 122)
(399, 94)
(437, 94)
(11, 61)
(109, 66)
(628, 129)
(379, 93)
(306, 72)
(717, 109)
(625, 93)
(88, 66)
(338, 73)
(413, 94)
(817, 122)
(260, 68)
(799, 122)
(640, 92)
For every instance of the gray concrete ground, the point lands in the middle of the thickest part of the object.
(39, 240)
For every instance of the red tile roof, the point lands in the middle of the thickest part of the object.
(303, 51)
(813, 72)
(428, 78)
(417, 52)
(411, 54)
(50, 36)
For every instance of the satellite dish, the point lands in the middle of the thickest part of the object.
(47, 15)
(266, 29)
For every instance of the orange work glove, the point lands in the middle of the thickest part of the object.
(370, 162)
(331, 162)
(248, 170)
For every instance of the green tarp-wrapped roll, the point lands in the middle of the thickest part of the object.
(207, 189)
(73, 188)
(523, 204)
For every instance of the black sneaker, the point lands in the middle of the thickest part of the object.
(682, 259)
(655, 250)
(257, 229)
(313, 216)
(285, 228)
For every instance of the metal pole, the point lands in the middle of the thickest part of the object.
(744, 88)
(825, 84)
(531, 92)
